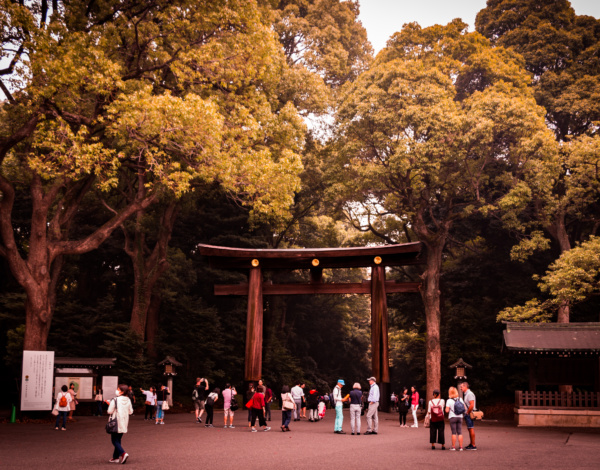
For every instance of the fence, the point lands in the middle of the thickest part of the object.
(557, 400)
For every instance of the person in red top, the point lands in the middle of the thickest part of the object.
(258, 410)
(414, 402)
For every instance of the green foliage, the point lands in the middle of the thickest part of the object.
(573, 278)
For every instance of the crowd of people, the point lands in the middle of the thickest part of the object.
(294, 403)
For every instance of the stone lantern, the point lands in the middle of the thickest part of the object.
(169, 364)
(460, 373)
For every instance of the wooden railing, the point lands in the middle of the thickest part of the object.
(555, 400)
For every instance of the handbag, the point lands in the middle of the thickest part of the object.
(476, 415)
(54, 411)
(165, 405)
(234, 404)
(427, 422)
(113, 426)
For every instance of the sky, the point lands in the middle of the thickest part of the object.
(382, 18)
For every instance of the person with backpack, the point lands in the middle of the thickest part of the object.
(229, 405)
(209, 406)
(435, 411)
(455, 408)
(63, 406)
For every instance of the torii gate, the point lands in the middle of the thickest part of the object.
(317, 259)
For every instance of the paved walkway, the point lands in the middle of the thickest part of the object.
(182, 444)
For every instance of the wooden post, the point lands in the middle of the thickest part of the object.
(379, 335)
(254, 327)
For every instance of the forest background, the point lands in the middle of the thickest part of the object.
(133, 131)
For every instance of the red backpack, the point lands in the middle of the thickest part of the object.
(437, 413)
(63, 401)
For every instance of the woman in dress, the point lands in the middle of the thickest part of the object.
(161, 396)
(209, 407)
(120, 408)
(287, 406)
(403, 407)
(455, 419)
(436, 426)
(414, 405)
(73, 402)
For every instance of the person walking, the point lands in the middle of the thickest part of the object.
(414, 405)
(161, 397)
(287, 406)
(149, 402)
(258, 410)
(372, 414)
(355, 408)
(63, 406)
(199, 397)
(209, 407)
(469, 399)
(298, 395)
(455, 408)
(339, 407)
(228, 395)
(435, 410)
(403, 407)
(120, 408)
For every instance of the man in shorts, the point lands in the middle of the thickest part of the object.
(228, 395)
(469, 399)
(199, 396)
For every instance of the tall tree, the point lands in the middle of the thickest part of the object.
(97, 98)
(560, 49)
(436, 130)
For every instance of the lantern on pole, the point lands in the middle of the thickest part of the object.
(169, 364)
(461, 373)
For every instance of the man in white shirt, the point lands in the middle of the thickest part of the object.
(469, 399)
(297, 395)
(372, 415)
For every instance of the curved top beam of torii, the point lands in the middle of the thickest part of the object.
(308, 258)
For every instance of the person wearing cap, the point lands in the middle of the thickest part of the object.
(355, 406)
(372, 416)
(339, 407)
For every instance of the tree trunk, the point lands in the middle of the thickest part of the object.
(558, 231)
(39, 272)
(147, 271)
(430, 294)
(152, 323)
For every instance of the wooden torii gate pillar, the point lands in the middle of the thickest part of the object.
(316, 260)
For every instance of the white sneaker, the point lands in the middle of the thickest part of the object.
(232, 426)
(415, 426)
(124, 457)
(267, 429)
(253, 430)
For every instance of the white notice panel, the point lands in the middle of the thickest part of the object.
(109, 386)
(36, 385)
(86, 386)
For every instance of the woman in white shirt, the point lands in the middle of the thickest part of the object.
(63, 406)
(120, 408)
(455, 418)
